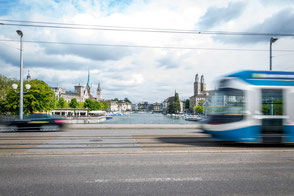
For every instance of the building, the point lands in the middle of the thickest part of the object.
(116, 106)
(99, 93)
(200, 94)
(168, 101)
(143, 106)
(134, 107)
(157, 107)
(29, 76)
(81, 93)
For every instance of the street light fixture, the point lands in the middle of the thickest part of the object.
(19, 32)
(272, 40)
(28, 86)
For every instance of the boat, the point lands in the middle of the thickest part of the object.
(193, 118)
(108, 117)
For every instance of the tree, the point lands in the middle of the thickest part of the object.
(177, 104)
(88, 104)
(127, 100)
(106, 106)
(73, 103)
(5, 85)
(61, 103)
(198, 109)
(187, 104)
(39, 98)
(93, 105)
(116, 99)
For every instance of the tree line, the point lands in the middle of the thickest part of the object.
(39, 98)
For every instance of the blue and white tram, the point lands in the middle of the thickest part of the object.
(253, 106)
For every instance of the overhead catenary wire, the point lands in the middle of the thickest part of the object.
(40, 24)
(146, 46)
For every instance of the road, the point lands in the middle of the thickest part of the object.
(99, 141)
(140, 162)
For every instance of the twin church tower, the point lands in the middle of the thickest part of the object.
(199, 86)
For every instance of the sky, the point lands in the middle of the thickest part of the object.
(123, 46)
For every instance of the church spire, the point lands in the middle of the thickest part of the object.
(29, 75)
(98, 93)
(88, 82)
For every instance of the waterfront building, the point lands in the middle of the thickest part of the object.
(116, 106)
(134, 107)
(81, 93)
(157, 107)
(200, 93)
(143, 106)
(113, 106)
(168, 101)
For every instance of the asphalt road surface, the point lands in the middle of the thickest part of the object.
(149, 174)
(140, 162)
(99, 141)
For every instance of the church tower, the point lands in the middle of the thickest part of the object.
(98, 93)
(29, 76)
(89, 87)
(197, 88)
(202, 84)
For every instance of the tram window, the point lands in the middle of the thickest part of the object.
(272, 102)
(227, 101)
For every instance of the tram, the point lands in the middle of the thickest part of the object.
(252, 106)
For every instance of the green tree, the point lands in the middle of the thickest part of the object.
(106, 106)
(93, 105)
(39, 98)
(5, 85)
(88, 104)
(127, 100)
(73, 103)
(176, 104)
(198, 109)
(187, 104)
(61, 103)
(116, 99)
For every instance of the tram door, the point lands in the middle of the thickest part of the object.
(272, 111)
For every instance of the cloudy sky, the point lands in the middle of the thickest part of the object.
(143, 49)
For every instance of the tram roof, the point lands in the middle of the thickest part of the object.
(266, 78)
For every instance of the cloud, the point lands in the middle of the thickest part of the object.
(141, 74)
(280, 23)
(90, 52)
(167, 62)
(276, 2)
(215, 16)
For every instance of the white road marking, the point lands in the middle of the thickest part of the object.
(142, 180)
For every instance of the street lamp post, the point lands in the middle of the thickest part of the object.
(19, 32)
(272, 40)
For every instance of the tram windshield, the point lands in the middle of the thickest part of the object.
(227, 101)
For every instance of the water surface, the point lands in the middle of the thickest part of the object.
(146, 118)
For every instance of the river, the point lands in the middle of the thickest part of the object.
(146, 118)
